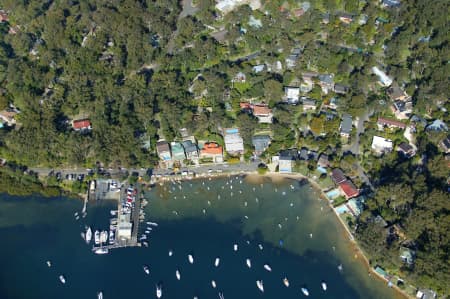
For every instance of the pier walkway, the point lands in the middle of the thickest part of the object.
(135, 213)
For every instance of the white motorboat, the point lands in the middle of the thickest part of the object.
(177, 274)
(147, 231)
(213, 283)
(158, 291)
(221, 295)
(286, 282)
(324, 285)
(113, 212)
(145, 244)
(249, 263)
(340, 268)
(217, 262)
(49, 263)
(267, 267)
(146, 269)
(103, 236)
(305, 291)
(62, 279)
(259, 284)
(260, 246)
(152, 223)
(97, 237)
(170, 252)
(191, 258)
(235, 247)
(88, 235)
(101, 251)
(100, 295)
(111, 237)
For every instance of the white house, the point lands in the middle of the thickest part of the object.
(292, 94)
(381, 145)
(234, 144)
(384, 79)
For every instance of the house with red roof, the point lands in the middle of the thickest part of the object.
(348, 189)
(263, 113)
(213, 151)
(81, 124)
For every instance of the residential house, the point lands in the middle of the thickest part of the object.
(246, 107)
(163, 150)
(298, 12)
(309, 77)
(184, 133)
(395, 93)
(212, 150)
(306, 86)
(303, 154)
(438, 126)
(445, 145)
(348, 189)
(8, 116)
(356, 205)
(292, 95)
(81, 124)
(308, 81)
(286, 160)
(326, 82)
(402, 110)
(389, 123)
(291, 60)
(261, 143)
(338, 176)
(407, 256)
(3, 16)
(263, 113)
(363, 19)
(225, 6)
(346, 125)
(323, 161)
(406, 149)
(381, 145)
(334, 103)
(390, 3)
(234, 144)
(258, 68)
(426, 294)
(309, 104)
(346, 18)
(239, 78)
(177, 151)
(384, 80)
(340, 88)
(190, 149)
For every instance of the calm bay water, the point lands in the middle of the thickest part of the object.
(204, 218)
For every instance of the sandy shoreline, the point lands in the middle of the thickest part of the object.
(255, 178)
(358, 253)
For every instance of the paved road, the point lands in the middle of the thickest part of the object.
(213, 168)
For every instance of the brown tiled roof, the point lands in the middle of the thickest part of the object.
(338, 176)
(261, 110)
(391, 122)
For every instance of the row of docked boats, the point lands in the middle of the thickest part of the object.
(100, 237)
